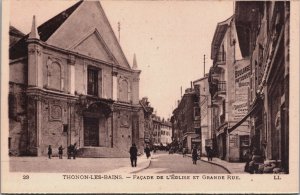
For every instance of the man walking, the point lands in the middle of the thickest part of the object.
(194, 155)
(133, 155)
(147, 151)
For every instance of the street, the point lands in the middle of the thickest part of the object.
(162, 162)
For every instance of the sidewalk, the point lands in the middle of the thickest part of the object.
(231, 167)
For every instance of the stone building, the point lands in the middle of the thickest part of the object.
(70, 82)
(148, 121)
(166, 132)
(156, 130)
(205, 112)
(267, 25)
(186, 118)
(229, 85)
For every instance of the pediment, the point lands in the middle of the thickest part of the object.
(93, 45)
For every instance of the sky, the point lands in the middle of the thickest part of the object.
(169, 38)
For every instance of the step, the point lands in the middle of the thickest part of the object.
(101, 152)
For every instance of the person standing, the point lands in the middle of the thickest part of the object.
(147, 151)
(74, 151)
(69, 151)
(133, 155)
(49, 151)
(210, 154)
(194, 155)
(60, 151)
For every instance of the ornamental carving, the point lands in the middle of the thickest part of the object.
(55, 113)
(124, 120)
(34, 50)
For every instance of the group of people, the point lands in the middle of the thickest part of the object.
(71, 151)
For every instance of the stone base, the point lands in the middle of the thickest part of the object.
(102, 152)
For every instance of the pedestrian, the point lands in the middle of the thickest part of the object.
(210, 154)
(60, 151)
(69, 151)
(74, 152)
(49, 151)
(183, 151)
(194, 155)
(133, 155)
(147, 151)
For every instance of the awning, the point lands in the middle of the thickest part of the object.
(257, 103)
(222, 129)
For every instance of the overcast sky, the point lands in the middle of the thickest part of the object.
(168, 37)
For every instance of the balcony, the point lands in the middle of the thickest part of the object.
(218, 88)
(221, 87)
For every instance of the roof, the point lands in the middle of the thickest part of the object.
(205, 77)
(49, 27)
(14, 35)
(45, 30)
(14, 31)
(218, 36)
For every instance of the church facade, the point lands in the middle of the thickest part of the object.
(70, 82)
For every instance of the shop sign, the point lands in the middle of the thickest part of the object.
(240, 109)
(242, 82)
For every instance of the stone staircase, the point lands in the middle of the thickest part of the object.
(101, 152)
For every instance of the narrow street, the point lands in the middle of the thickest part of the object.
(163, 162)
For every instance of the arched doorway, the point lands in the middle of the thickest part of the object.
(95, 124)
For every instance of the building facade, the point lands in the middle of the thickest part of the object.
(186, 118)
(148, 122)
(67, 87)
(229, 88)
(156, 130)
(268, 24)
(166, 132)
(205, 112)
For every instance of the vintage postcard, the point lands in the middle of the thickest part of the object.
(149, 96)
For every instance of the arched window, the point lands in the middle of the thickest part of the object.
(123, 90)
(54, 76)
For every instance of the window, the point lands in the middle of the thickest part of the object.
(196, 113)
(92, 82)
(124, 90)
(65, 128)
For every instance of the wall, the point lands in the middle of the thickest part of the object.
(18, 71)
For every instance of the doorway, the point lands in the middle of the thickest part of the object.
(91, 131)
